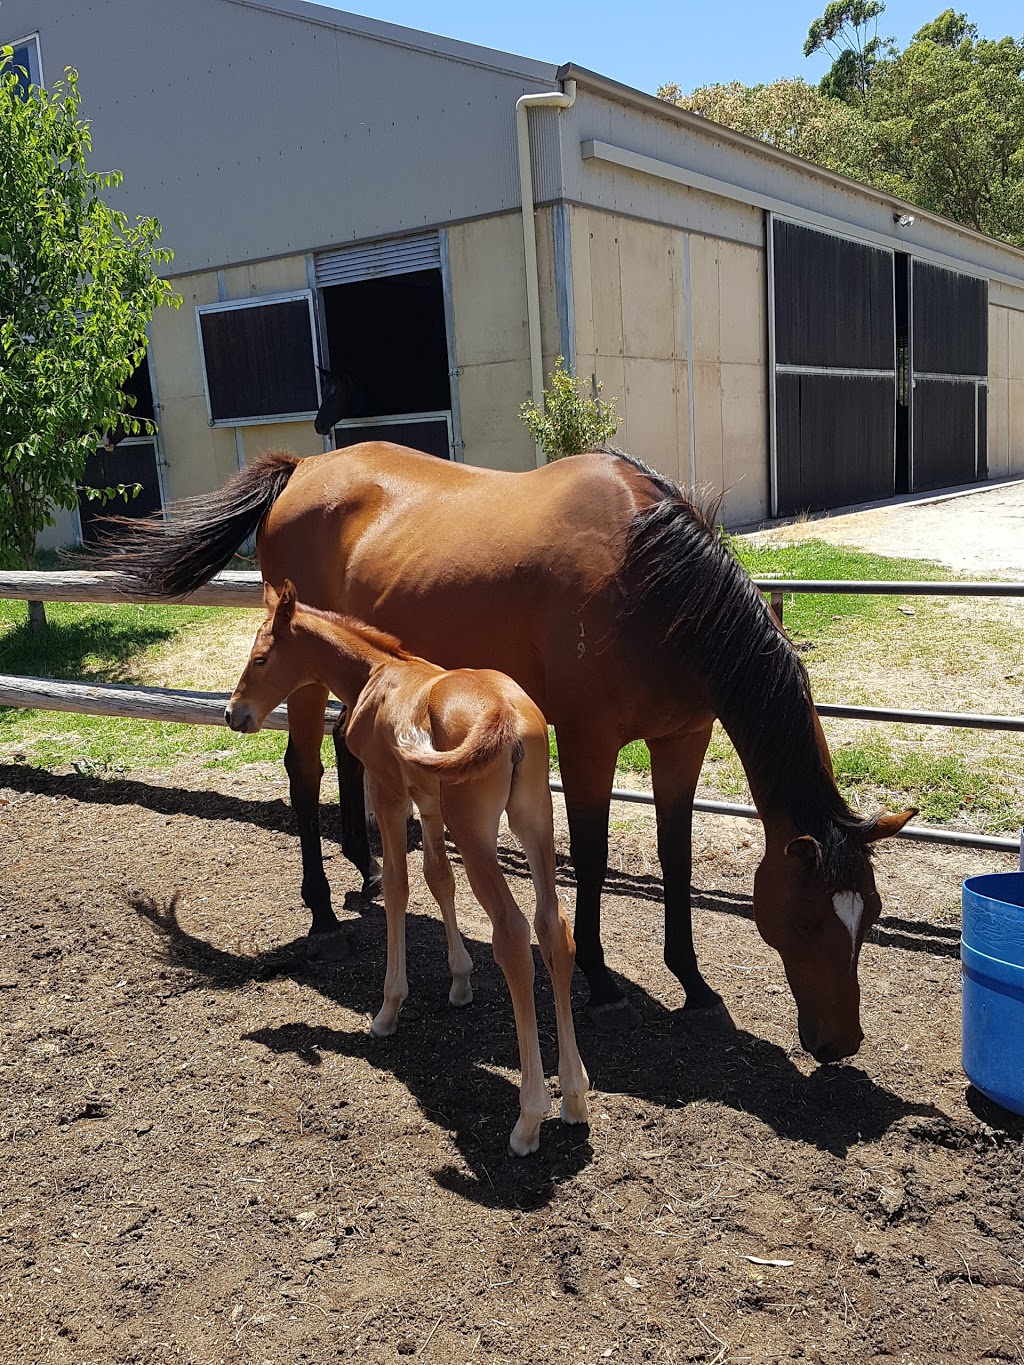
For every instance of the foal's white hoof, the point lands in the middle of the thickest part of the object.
(524, 1144)
(575, 1109)
(385, 1025)
(461, 993)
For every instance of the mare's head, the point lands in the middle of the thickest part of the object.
(815, 905)
(276, 667)
(338, 395)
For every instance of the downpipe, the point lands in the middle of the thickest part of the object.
(551, 99)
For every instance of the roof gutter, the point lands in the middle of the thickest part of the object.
(704, 128)
(551, 99)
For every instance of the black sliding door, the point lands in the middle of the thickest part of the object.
(949, 377)
(834, 370)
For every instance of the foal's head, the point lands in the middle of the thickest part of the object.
(277, 664)
(815, 907)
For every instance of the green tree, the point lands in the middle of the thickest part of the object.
(948, 117)
(569, 421)
(789, 114)
(940, 123)
(77, 290)
(848, 31)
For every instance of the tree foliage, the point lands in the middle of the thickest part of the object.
(569, 421)
(940, 122)
(77, 289)
(848, 30)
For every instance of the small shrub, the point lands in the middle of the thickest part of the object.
(568, 421)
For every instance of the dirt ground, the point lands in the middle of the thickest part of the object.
(208, 1158)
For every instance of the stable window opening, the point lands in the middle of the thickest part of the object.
(388, 348)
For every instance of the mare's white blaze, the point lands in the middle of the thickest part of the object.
(849, 906)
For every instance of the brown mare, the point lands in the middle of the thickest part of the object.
(609, 597)
(465, 746)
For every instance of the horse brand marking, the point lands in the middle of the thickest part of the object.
(581, 644)
(849, 906)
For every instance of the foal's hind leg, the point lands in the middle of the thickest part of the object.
(473, 819)
(306, 708)
(355, 840)
(437, 871)
(530, 819)
(675, 769)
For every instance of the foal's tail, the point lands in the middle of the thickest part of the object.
(494, 731)
(172, 557)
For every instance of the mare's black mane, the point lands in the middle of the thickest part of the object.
(681, 581)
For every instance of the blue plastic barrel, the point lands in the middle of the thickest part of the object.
(992, 953)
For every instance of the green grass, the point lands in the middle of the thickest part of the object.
(811, 616)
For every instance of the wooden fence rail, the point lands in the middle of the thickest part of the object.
(243, 588)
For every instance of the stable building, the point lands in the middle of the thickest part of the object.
(345, 196)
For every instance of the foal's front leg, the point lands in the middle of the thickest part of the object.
(395, 880)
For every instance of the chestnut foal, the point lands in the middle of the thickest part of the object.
(464, 745)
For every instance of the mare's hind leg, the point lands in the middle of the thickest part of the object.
(306, 708)
(355, 839)
(587, 763)
(530, 819)
(437, 872)
(675, 769)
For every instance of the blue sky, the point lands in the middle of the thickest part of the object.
(647, 42)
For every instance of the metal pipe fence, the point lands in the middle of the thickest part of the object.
(244, 589)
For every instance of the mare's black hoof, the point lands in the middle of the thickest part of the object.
(617, 1016)
(330, 947)
(371, 885)
(715, 1016)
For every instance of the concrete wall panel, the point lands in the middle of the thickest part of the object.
(651, 427)
(744, 443)
(298, 438)
(707, 423)
(489, 396)
(606, 283)
(743, 295)
(488, 276)
(646, 271)
(998, 428)
(1015, 455)
(705, 307)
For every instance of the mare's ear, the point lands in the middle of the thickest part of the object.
(887, 825)
(806, 852)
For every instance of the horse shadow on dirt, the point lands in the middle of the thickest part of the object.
(450, 1061)
(275, 816)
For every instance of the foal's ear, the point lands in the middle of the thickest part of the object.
(285, 607)
(269, 596)
(806, 851)
(887, 825)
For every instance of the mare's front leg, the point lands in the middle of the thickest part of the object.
(587, 763)
(355, 839)
(675, 770)
(306, 709)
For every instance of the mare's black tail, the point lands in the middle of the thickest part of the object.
(172, 556)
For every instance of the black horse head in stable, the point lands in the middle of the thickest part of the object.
(340, 396)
